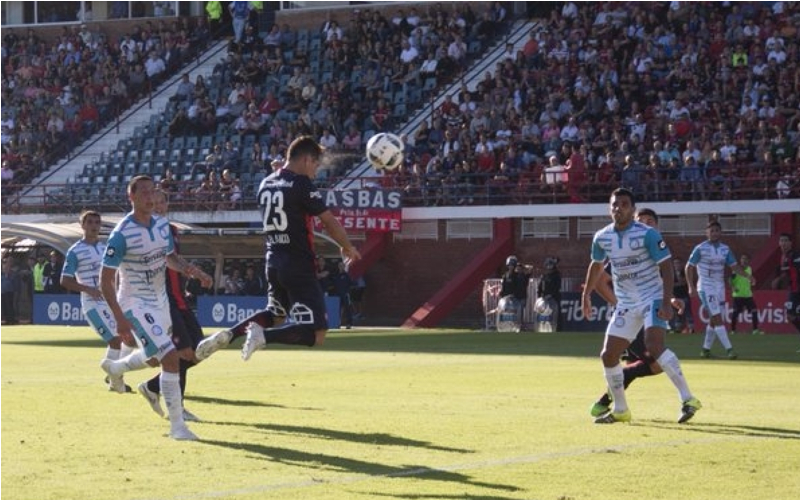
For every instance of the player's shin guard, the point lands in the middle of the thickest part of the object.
(615, 379)
(291, 333)
(171, 390)
(672, 367)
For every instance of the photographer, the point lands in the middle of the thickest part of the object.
(549, 289)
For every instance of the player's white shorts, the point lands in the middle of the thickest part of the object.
(152, 328)
(713, 301)
(628, 320)
(100, 318)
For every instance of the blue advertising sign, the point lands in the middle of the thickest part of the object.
(212, 310)
(573, 318)
(57, 309)
(224, 311)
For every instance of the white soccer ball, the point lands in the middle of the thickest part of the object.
(385, 151)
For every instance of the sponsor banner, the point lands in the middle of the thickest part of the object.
(771, 313)
(224, 311)
(365, 209)
(58, 309)
(212, 311)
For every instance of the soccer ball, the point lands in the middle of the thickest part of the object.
(385, 151)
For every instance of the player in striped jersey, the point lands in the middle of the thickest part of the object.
(639, 258)
(706, 265)
(82, 274)
(137, 255)
(789, 276)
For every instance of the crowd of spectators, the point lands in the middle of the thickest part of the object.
(339, 83)
(57, 93)
(677, 101)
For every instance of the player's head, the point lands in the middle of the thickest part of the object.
(647, 216)
(622, 206)
(304, 155)
(91, 221)
(714, 231)
(160, 202)
(511, 262)
(744, 259)
(785, 242)
(140, 192)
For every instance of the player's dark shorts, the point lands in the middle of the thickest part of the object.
(186, 331)
(637, 351)
(744, 303)
(299, 292)
(793, 304)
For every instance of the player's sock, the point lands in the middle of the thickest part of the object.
(722, 333)
(672, 367)
(171, 390)
(183, 367)
(291, 333)
(125, 350)
(709, 340)
(154, 384)
(264, 318)
(605, 399)
(111, 353)
(636, 370)
(135, 361)
(615, 379)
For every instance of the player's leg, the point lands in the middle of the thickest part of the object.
(621, 330)
(640, 364)
(750, 304)
(307, 323)
(101, 321)
(709, 305)
(655, 340)
(716, 304)
(738, 308)
(272, 315)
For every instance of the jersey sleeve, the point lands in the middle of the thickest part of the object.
(70, 263)
(598, 253)
(311, 198)
(656, 246)
(694, 258)
(115, 250)
(730, 259)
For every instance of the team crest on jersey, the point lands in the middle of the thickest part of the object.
(164, 231)
(157, 331)
(635, 243)
(110, 251)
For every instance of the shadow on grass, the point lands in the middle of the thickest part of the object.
(725, 429)
(443, 497)
(241, 402)
(377, 439)
(341, 464)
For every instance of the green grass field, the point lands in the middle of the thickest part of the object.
(434, 414)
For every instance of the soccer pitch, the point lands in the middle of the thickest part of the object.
(401, 414)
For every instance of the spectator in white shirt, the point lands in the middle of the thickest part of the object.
(328, 140)
(408, 53)
(154, 65)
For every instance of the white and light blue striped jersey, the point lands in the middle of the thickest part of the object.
(634, 254)
(83, 262)
(711, 259)
(139, 254)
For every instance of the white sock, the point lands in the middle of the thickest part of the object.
(134, 361)
(125, 350)
(709, 340)
(672, 367)
(722, 333)
(615, 380)
(111, 353)
(171, 390)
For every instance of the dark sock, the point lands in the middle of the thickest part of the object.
(154, 384)
(291, 333)
(265, 318)
(605, 399)
(634, 371)
(182, 368)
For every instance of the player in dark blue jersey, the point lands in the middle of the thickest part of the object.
(289, 201)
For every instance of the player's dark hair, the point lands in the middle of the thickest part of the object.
(713, 223)
(648, 212)
(133, 183)
(88, 213)
(788, 236)
(625, 192)
(304, 145)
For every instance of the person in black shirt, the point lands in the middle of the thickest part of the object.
(549, 288)
(288, 200)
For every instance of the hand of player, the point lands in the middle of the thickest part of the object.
(125, 331)
(678, 304)
(206, 281)
(665, 312)
(586, 306)
(96, 294)
(350, 255)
